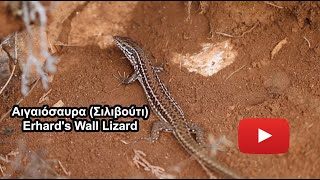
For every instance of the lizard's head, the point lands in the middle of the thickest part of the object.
(128, 47)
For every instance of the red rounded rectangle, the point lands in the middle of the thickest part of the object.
(263, 136)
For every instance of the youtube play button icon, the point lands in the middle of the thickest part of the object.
(263, 136)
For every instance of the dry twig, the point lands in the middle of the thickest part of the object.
(235, 36)
(5, 85)
(189, 10)
(44, 97)
(11, 59)
(271, 4)
(277, 48)
(64, 169)
(2, 172)
(234, 72)
(309, 45)
(139, 160)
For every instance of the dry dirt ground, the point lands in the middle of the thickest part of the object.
(286, 86)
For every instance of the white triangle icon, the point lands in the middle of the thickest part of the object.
(262, 135)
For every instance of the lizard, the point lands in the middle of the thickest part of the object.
(171, 116)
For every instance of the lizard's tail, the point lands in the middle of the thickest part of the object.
(183, 135)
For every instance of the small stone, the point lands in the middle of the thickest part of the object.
(294, 29)
(231, 108)
(265, 62)
(256, 64)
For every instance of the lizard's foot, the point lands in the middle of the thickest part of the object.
(157, 127)
(126, 79)
(158, 68)
(122, 78)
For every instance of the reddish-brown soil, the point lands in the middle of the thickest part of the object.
(9, 21)
(287, 86)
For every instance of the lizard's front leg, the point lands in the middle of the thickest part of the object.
(127, 79)
(159, 126)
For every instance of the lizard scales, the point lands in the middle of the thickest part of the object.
(163, 104)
